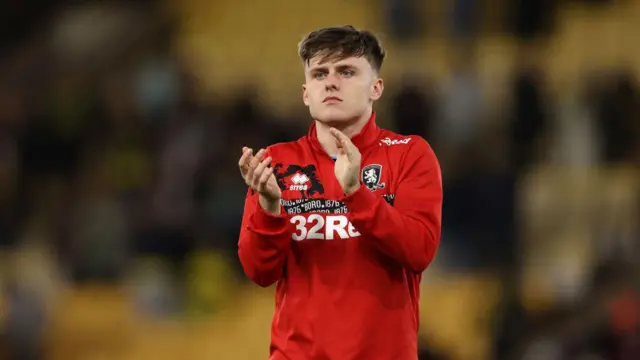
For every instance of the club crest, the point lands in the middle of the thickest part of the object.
(371, 175)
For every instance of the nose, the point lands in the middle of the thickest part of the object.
(332, 82)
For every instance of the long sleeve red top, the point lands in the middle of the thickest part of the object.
(347, 269)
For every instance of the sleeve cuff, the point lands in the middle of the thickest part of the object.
(269, 222)
(361, 200)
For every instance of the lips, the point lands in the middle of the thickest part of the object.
(331, 98)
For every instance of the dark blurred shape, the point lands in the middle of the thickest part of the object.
(618, 117)
(403, 19)
(529, 120)
(510, 327)
(19, 19)
(465, 18)
(54, 136)
(425, 353)
(413, 108)
(532, 19)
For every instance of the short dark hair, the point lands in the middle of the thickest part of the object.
(341, 42)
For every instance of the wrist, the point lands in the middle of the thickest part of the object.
(270, 206)
(352, 189)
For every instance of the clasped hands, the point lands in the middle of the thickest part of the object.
(258, 175)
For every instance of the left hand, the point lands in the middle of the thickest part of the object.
(347, 167)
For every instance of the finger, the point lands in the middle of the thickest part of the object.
(259, 170)
(246, 152)
(261, 167)
(341, 147)
(343, 142)
(255, 161)
(264, 178)
(245, 158)
(339, 135)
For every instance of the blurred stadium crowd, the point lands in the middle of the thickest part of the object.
(121, 123)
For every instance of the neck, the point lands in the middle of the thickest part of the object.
(351, 128)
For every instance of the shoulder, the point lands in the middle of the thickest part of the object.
(404, 143)
(410, 152)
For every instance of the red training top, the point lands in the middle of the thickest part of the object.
(347, 269)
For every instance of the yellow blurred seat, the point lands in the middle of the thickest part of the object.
(90, 322)
(456, 312)
(230, 43)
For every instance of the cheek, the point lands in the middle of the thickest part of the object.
(361, 92)
(314, 94)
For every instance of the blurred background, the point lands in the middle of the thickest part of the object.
(121, 123)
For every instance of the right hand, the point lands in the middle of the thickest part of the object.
(259, 176)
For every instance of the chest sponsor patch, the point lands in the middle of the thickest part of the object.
(321, 205)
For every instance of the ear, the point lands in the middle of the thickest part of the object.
(305, 95)
(377, 89)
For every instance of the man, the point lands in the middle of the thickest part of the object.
(345, 219)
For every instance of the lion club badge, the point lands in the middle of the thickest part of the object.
(371, 177)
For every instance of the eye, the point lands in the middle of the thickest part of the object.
(319, 75)
(347, 73)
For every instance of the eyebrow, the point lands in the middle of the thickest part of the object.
(325, 68)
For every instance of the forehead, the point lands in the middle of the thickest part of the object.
(319, 62)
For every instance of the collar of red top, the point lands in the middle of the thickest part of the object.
(367, 137)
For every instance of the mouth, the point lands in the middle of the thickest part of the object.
(331, 99)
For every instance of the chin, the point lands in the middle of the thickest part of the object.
(335, 116)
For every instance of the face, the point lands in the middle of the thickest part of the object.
(340, 91)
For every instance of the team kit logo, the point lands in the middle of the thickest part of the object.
(387, 141)
(302, 178)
